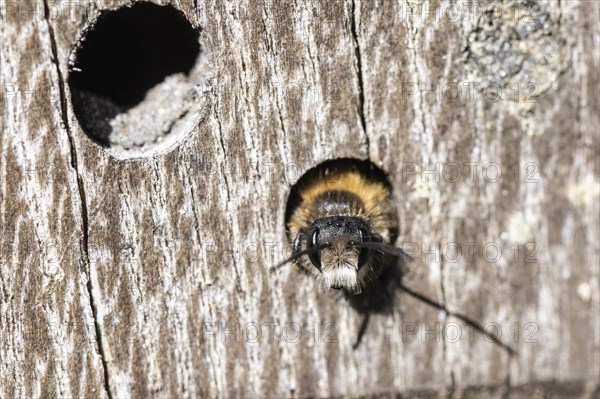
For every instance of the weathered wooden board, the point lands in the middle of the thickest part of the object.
(147, 275)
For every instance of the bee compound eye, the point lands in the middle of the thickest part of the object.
(365, 236)
(313, 242)
(365, 253)
(314, 238)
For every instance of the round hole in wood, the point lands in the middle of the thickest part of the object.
(136, 78)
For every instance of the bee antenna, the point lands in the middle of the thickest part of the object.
(297, 255)
(382, 246)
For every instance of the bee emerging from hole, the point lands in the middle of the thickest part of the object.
(341, 224)
(342, 228)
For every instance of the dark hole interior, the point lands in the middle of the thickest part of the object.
(130, 50)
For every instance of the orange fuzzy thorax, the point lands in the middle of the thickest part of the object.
(373, 196)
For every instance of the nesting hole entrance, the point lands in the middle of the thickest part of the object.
(136, 79)
(320, 172)
(380, 296)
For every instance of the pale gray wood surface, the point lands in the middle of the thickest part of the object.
(115, 270)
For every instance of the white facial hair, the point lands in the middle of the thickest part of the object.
(340, 269)
(342, 277)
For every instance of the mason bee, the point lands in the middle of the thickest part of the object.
(341, 228)
(341, 222)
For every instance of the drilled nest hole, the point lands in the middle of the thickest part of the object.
(365, 167)
(137, 78)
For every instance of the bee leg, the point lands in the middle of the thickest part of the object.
(362, 330)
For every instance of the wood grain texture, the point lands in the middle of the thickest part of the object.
(148, 276)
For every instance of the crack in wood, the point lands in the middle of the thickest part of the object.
(270, 47)
(206, 304)
(84, 245)
(359, 74)
(228, 194)
(452, 386)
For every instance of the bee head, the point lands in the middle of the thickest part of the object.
(340, 257)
